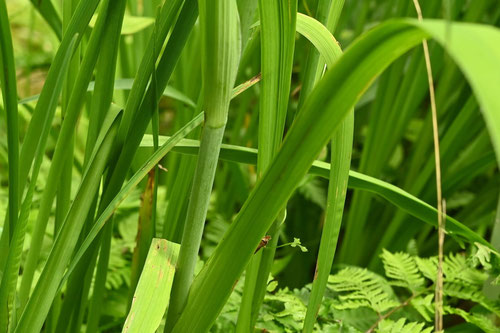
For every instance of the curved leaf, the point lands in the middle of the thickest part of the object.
(395, 195)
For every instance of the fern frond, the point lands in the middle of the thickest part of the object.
(358, 287)
(400, 326)
(428, 267)
(480, 320)
(471, 293)
(424, 305)
(484, 256)
(403, 269)
(457, 270)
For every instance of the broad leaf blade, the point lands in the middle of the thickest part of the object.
(152, 294)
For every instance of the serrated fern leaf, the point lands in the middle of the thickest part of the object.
(428, 267)
(471, 293)
(480, 320)
(457, 270)
(424, 305)
(400, 326)
(358, 287)
(403, 269)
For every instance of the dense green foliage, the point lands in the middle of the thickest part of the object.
(241, 165)
(356, 299)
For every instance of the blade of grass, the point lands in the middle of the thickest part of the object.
(341, 150)
(63, 144)
(101, 101)
(398, 92)
(329, 103)
(47, 10)
(46, 288)
(45, 108)
(337, 188)
(141, 112)
(152, 294)
(64, 184)
(278, 25)
(9, 95)
(327, 13)
(146, 228)
(8, 286)
(168, 12)
(178, 184)
(395, 195)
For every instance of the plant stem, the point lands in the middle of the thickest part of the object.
(439, 280)
(195, 219)
(220, 56)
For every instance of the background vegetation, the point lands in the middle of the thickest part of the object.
(221, 165)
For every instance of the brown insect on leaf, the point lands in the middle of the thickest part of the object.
(263, 243)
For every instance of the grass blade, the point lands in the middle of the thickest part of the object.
(9, 94)
(341, 150)
(45, 108)
(59, 158)
(49, 13)
(278, 26)
(39, 304)
(395, 195)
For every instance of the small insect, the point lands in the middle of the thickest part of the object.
(263, 243)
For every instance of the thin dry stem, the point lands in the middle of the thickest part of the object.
(438, 320)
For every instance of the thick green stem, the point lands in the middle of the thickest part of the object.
(195, 219)
(220, 56)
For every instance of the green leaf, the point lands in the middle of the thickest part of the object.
(11, 273)
(152, 294)
(401, 326)
(9, 96)
(296, 243)
(47, 10)
(480, 320)
(320, 37)
(341, 150)
(395, 195)
(278, 27)
(403, 269)
(478, 67)
(63, 146)
(358, 287)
